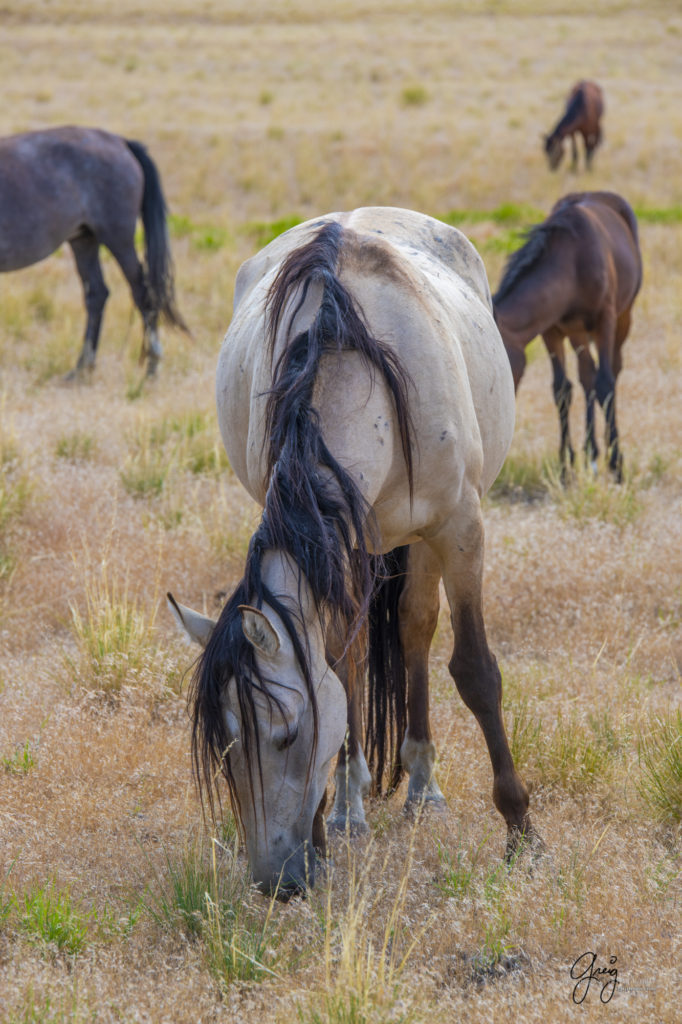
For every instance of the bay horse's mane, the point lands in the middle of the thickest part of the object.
(537, 238)
(319, 519)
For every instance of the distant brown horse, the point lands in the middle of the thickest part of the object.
(87, 187)
(577, 276)
(584, 108)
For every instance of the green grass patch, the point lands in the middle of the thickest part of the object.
(523, 478)
(264, 232)
(47, 916)
(660, 763)
(21, 762)
(586, 495)
(75, 447)
(414, 95)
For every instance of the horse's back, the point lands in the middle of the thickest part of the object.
(422, 289)
(55, 182)
(612, 236)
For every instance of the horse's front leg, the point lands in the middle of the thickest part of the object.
(459, 546)
(418, 616)
(352, 776)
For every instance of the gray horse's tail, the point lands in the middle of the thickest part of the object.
(386, 711)
(157, 247)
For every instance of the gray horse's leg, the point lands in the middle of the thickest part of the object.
(352, 777)
(127, 259)
(418, 614)
(86, 253)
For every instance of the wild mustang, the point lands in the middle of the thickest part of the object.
(87, 187)
(577, 276)
(584, 108)
(365, 400)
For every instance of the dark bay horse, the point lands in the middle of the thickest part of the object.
(365, 401)
(87, 187)
(584, 109)
(577, 276)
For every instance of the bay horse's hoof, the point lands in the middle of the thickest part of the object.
(522, 842)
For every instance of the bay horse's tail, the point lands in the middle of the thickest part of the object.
(387, 677)
(159, 269)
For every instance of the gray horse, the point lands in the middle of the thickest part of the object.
(88, 187)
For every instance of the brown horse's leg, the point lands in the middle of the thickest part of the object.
(562, 389)
(459, 546)
(605, 389)
(352, 776)
(574, 151)
(86, 253)
(418, 612)
(587, 372)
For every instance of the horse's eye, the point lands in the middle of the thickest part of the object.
(288, 739)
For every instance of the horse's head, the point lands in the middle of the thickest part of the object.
(554, 150)
(278, 756)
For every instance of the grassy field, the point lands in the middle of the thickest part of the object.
(117, 902)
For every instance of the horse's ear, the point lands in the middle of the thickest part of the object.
(194, 625)
(259, 631)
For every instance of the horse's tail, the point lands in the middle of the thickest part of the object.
(157, 247)
(387, 678)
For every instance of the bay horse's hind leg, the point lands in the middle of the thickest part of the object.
(605, 384)
(85, 248)
(562, 390)
(587, 371)
(418, 615)
(459, 546)
(127, 258)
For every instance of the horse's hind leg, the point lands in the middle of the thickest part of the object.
(587, 372)
(126, 256)
(562, 390)
(418, 615)
(605, 387)
(86, 253)
(459, 546)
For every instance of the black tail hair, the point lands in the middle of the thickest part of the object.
(321, 520)
(159, 264)
(387, 677)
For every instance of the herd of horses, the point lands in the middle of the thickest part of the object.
(365, 401)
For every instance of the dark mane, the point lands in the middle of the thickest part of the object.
(537, 238)
(574, 110)
(314, 511)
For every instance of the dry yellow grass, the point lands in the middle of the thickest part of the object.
(110, 494)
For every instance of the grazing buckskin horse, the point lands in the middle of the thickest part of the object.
(577, 276)
(584, 108)
(365, 400)
(87, 187)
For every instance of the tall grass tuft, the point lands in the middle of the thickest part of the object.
(112, 638)
(363, 978)
(585, 495)
(660, 762)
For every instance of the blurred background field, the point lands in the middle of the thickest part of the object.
(116, 902)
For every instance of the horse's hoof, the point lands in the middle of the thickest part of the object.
(339, 826)
(521, 843)
(414, 806)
